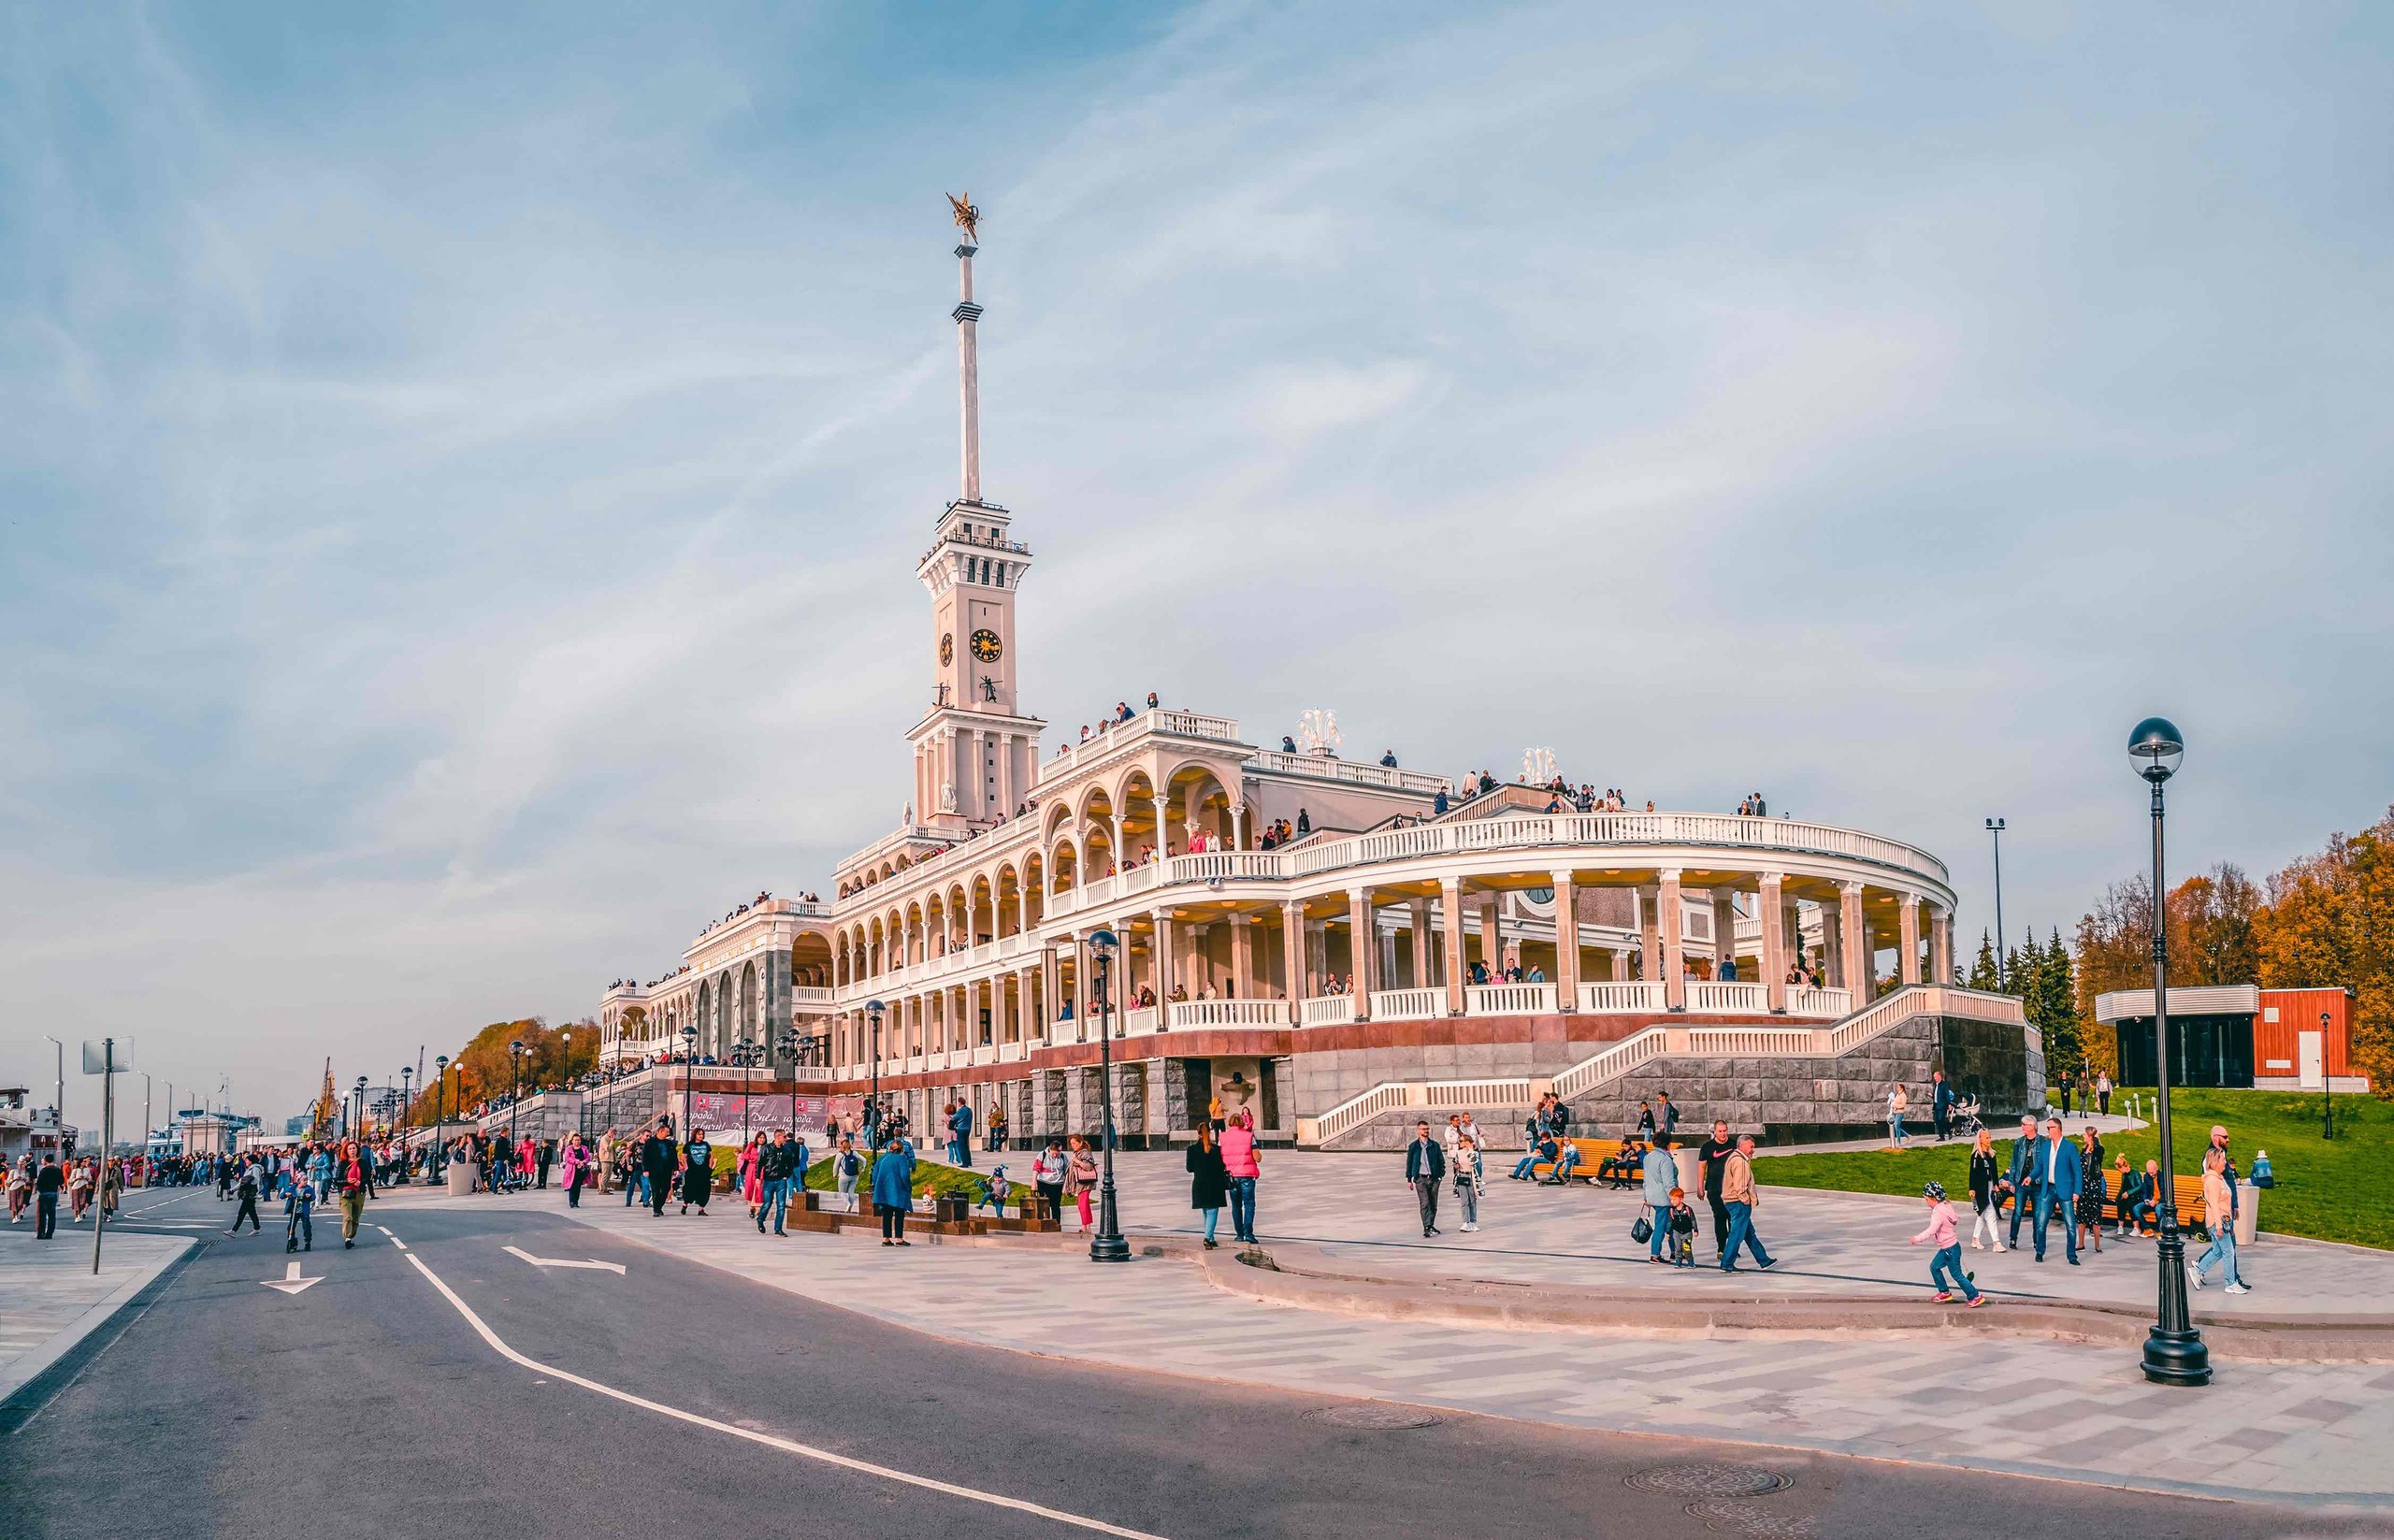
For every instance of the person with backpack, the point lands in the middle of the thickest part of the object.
(247, 1189)
(847, 1166)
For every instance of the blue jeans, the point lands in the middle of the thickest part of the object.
(1242, 1207)
(1213, 1217)
(1662, 1221)
(1741, 1233)
(1945, 1271)
(2223, 1250)
(1895, 1127)
(632, 1189)
(1521, 1172)
(776, 1201)
(2047, 1201)
(2023, 1200)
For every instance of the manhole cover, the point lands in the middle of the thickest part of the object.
(1742, 1517)
(1372, 1417)
(1709, 1481)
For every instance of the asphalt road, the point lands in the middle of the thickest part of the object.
(370, 1401)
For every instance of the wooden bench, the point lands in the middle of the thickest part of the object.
(2188, 1190)
(1593, 1154)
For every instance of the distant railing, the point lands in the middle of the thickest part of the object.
(1508, 1000)
(1628, 996)
(1804, 1000)
(1407, 1004)
(1326, 1010)
(1354, 773)
(1711, 995)
(1229, 1012)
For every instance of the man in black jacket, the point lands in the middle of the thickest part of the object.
(47, 1182)
(658, 1156)
(1425, 1167)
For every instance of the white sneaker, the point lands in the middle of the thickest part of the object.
(1468, 1229)
(2194, 1278)
(1977, 1245)
(2000, 1247)
(2238, 1289)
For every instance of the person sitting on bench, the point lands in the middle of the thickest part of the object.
(1540, 1150)
(1625, 1166)
(1567, 1155)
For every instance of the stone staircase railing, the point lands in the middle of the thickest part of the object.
(1618, 1058)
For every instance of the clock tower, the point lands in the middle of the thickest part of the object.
(976, 755)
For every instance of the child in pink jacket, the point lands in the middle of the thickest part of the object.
(1944, 1229)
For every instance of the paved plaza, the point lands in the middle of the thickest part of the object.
(50, 1297)
(2075, 1412)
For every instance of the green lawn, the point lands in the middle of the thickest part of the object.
(2330, 1190)
(932, 1179)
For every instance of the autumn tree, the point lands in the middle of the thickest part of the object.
(2329, 921)
(482, 1070)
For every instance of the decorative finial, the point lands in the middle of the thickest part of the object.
(968, 219)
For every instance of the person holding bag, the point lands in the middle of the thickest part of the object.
(1662, 1177)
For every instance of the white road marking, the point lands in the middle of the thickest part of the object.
(291, 1283)
(617, 1268)
(804, 1451)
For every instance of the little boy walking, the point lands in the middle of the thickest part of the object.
(1944, 1229)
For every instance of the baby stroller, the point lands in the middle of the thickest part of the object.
(1966, 1119)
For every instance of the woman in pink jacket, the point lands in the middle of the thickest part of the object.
(751, 1181)
(577, 1159)
(1239, 1167)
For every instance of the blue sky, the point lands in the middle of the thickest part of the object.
(461, 472)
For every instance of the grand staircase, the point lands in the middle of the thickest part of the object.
(1416, 1099)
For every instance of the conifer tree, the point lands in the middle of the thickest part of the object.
(1984, 973)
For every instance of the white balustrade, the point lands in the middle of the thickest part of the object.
(1749, 1040)
(1407, 1004)
(1804, 1000)
(809, 994)
(1229, 1012)
(1622, 998)
(1139, 1023)
(1508, 1000)
(1327, 1009)
(1711, 995)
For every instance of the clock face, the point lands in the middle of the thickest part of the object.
(948, 649)
(986, 647)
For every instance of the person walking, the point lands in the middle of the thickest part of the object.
(1661, 1171)
(357, 1181)
(1425, 1169)
(698, 1172)
(579, 1163)
(2219, 1213)
(893, 1190)
(658, 1158)
(1986, 1183)
(2020, 1176)
(752, 1177)
(847, 1168)
(1468, 1178)
(1737, 1191)
(2060, 1178)
(1208, 1183)
(2091, 1192)
(1898, 1102)
(1944, 1232)
(2103, 1092)
(246, 1189)
(78, 1189)
(1242, 1164)
(299, 1229)
(548, 1153)
(960, 1134)
(1941, 1104)
(46, 1185)
(997, 1125)
(1713, 1157)
(1082, 1177)
(775, 1164)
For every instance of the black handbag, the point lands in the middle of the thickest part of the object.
(1643, 1231)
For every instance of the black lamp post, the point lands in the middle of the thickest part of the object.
(1107, 1245)
(873, 1009)
(2327, 1083)
(514, 1084)
(689, 1064)
(2174, 1353)
(357, 1128)
(789, 1051)
(1995, 827)
(440, 1132)
(406, 1110)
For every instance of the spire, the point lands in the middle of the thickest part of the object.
(968, 363)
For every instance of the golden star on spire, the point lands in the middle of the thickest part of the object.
(968, 218)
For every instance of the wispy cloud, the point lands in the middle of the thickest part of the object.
(461, 477)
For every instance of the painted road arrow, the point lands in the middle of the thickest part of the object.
(617, 1268)
(291, 1283)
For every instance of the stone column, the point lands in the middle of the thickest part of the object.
(1774, 940)
(1359, 948)
(1492, 936)
(1292, 948)
(1080, 988)
(1833, 945)
(1162, 918)
(1425, 972)
(1908, 927)
(1860, 977)
(1239, 823)
(1450, 917)
(1725, 928)
(1650, 933)
(1242, 957)
(1666, 908)
(1566, 942)
(1940, 945)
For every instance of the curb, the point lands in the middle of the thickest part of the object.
(1298, 1275)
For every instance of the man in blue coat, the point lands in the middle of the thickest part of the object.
(2059, 1175)
(1941, 1106)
